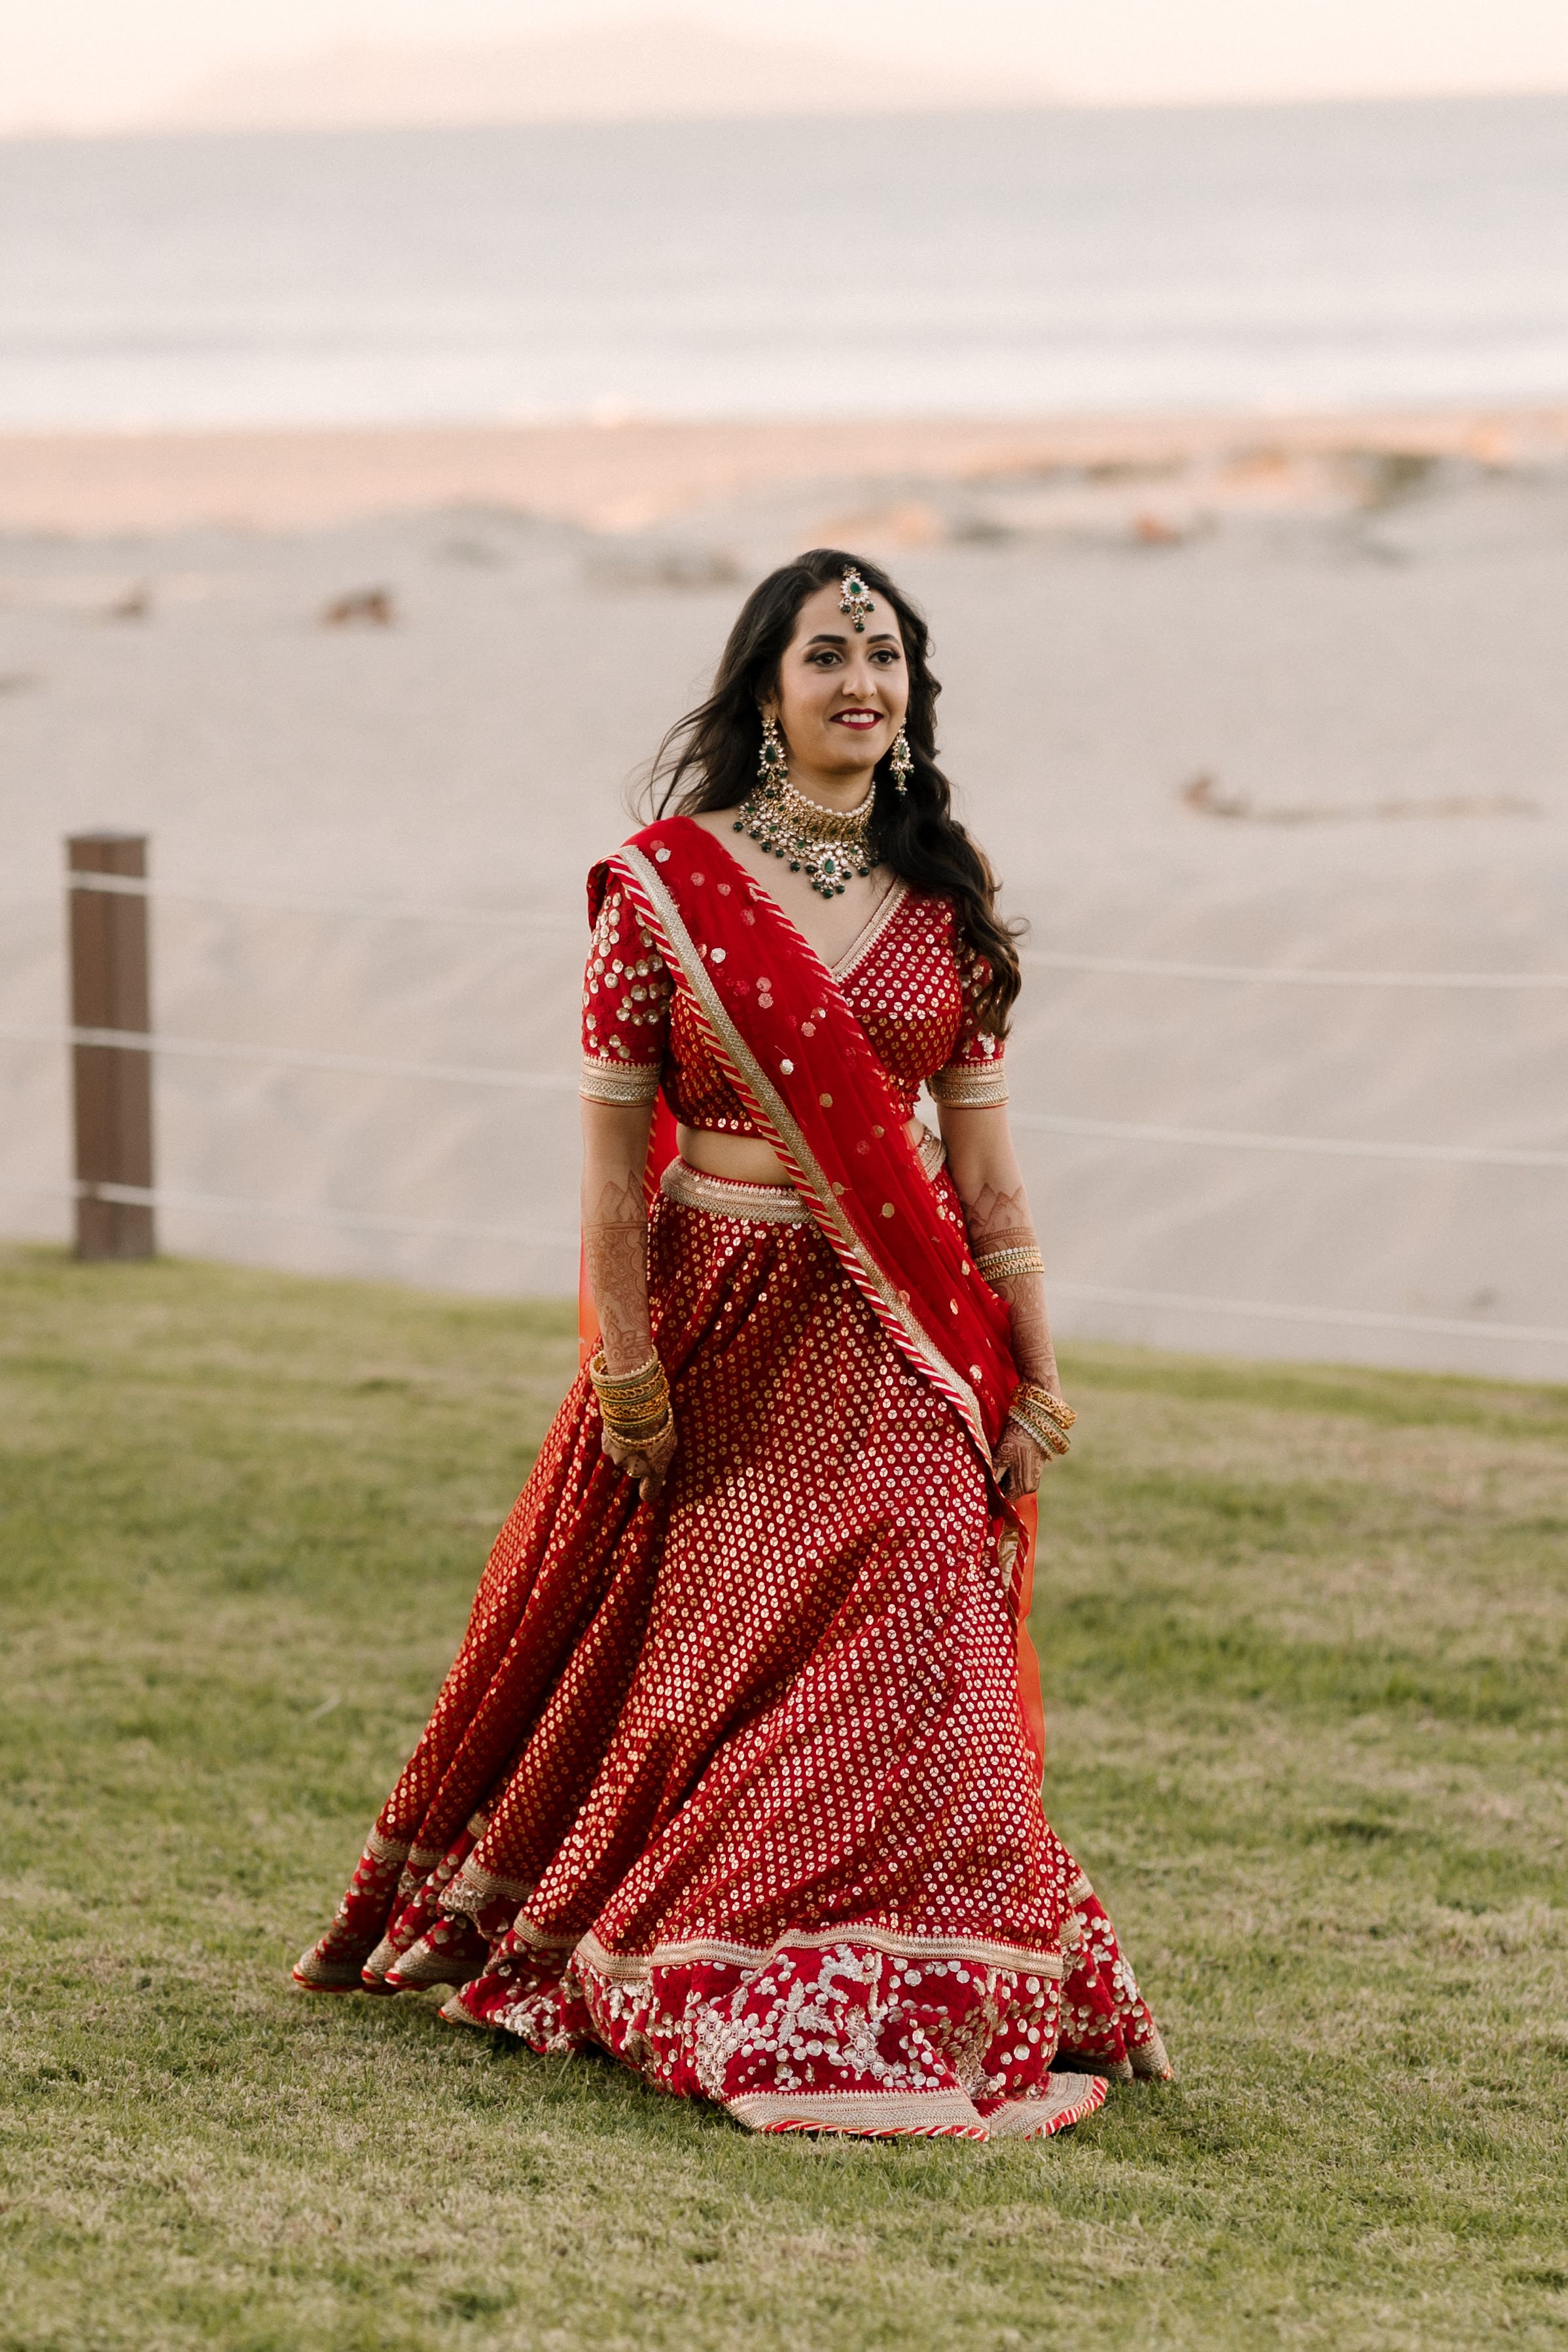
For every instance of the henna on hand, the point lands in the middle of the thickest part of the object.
(614, 1251)
(1034, 1351)
(996, 1215)
(999, 1220)
(614, 1246)
(1019, 1462)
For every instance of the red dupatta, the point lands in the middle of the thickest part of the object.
(799, 1059)
(806, 1071)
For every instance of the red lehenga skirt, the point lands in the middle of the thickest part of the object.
(736, 1785)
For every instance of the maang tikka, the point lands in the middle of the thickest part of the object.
(854, 602)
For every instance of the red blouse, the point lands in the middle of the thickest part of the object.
(911, 978)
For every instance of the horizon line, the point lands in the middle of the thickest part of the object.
(151, 128)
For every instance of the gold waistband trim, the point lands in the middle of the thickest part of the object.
(721, 1196)
(780, 1204)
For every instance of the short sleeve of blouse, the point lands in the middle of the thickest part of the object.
(973, 1077)
(625, 1007)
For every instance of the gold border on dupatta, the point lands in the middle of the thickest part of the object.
(748, 1072)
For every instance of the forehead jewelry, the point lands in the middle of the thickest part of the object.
(856, 602)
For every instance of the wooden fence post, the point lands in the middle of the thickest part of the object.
(112, 1084)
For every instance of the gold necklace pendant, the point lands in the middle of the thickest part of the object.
(831, 847)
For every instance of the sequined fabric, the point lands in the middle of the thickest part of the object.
(802, 1062)
(736, 1785)
(910, 978)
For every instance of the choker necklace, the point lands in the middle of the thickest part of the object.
(830, 847)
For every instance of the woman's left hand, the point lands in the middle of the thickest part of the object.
(1019, 1461)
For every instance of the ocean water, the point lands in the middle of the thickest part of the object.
(1326, 256)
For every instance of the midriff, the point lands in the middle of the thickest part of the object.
(744, 1158)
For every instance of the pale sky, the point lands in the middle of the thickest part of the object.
(81, 63)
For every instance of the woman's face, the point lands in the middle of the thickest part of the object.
(841, 695)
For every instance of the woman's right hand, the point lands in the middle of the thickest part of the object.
(646, 1462)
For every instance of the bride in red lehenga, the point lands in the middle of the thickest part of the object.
(737, 1772)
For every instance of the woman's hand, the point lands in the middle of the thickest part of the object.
(1019, 1461)
(647, 1462)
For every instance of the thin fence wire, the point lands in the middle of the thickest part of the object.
(1107, 1130)
(291, 1057)
(1085, 1292)
(1337, 1147)
(128, 886)
(542, 926)
(1044, 1123)
(1351, 1318)
(1287, 975)
(300, 1212)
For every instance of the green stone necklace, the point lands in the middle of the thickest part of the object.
(830, 847)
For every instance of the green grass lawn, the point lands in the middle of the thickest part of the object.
(1304, 1635)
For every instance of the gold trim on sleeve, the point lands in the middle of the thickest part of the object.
(619, 1082)
(964, 1086)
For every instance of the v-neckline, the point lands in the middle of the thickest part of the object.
(864, 938)
(871, 929)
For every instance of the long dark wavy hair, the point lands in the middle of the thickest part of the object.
(708, 760)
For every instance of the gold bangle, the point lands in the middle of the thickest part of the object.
(640, 1434)
(633, 1409)
(607, 1383)
(648, 1414)
(1047, 1402)
(639, 1407)
(1001, 1264)
(641, 1424)
(633, 1406)
(1042, 1415)
(633, 1402)
(1045, 1433)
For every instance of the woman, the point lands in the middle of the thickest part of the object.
(737, 1772)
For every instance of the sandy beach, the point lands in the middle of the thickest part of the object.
(624, 473)
(1220, 692)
